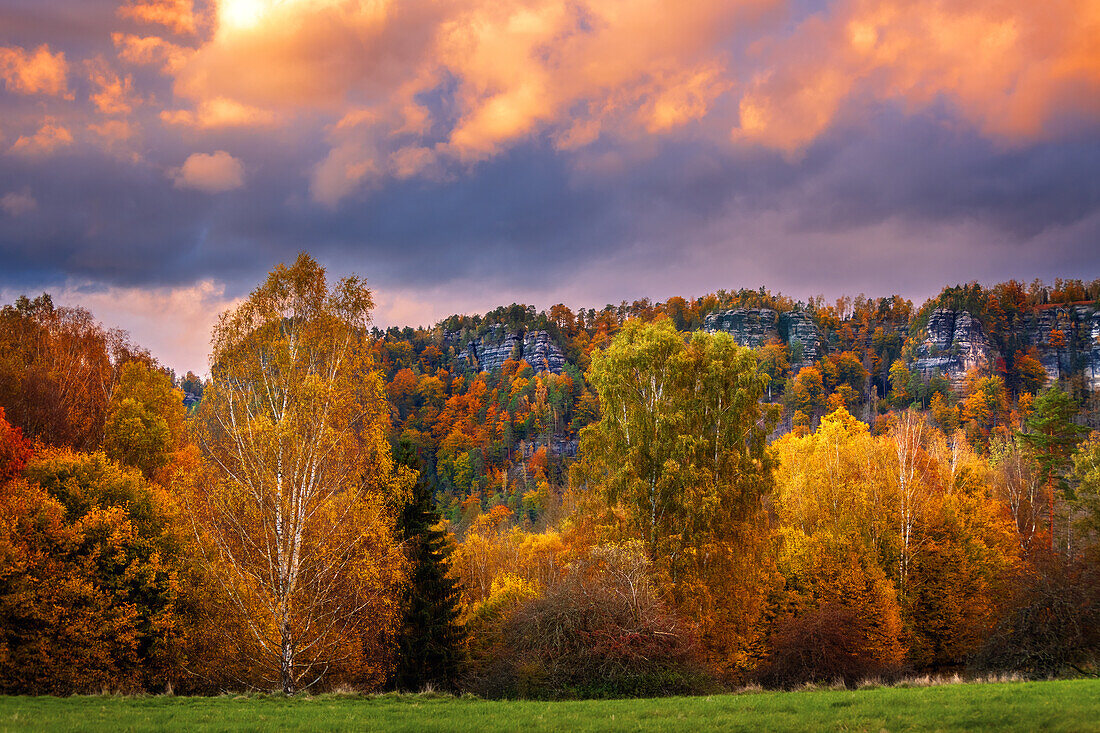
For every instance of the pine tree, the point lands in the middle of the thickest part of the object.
(1052, 436)
(432, 642)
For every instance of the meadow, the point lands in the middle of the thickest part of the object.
(1065, 705)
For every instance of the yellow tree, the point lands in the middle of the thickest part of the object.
(297, 520)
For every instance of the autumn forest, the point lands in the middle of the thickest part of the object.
(650, 498)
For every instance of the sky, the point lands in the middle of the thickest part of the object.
(159, 157)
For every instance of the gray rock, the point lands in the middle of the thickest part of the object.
(798, 327)
(751, 327)
(953, 344)
(490, 351)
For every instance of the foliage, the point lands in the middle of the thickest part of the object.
(431, 641)
(58, 369)
(601, 631)
(145, 419)
(297, 517)
(1053, 621)
(89, 571)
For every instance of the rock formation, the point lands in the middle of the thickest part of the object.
(800, 333)
(489, 352)
(752, 327)
(953, 344)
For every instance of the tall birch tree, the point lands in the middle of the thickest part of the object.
(297, 518)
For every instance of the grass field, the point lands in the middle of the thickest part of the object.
(1072, 705)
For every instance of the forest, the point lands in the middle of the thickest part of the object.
(645, 499)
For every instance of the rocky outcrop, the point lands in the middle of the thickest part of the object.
(754, 327)
(540, 351)
(490, 351)
(1092, 368)
(953, 344)
(751, 327)
(1055, 353)
(800, 332)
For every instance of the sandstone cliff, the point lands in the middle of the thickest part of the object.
(489, 352)
(754, 327)
(953, 343)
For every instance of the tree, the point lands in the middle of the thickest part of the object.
(58, 368)
(89, 570)
(681, 441)
(681, 450)
(297, 518)
(1051, 435)
(145, 419)
(430, 644)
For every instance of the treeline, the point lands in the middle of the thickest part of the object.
(342, 507)
(476, 433)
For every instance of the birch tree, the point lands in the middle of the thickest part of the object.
(297, 519)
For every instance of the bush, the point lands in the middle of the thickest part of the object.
(601, 632)
(823, 645)
(1052, 622)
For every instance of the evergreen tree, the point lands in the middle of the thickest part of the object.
(432, 642)
(1051, 437)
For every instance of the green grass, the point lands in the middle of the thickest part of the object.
(1069, 705)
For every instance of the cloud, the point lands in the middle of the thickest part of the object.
(212, 173)
(39, 73)
(177, 15)
(1018, 72)
(17, 204)
(49, 138)
(113, 130)
(115, 94)
(150, 51)
(219, 112)
(174, 323)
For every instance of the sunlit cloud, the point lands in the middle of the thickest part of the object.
(40, 72)
(150, 51)
(177, 15)
(219, 112)
(114, 94)
(213, 173)
(49, 138)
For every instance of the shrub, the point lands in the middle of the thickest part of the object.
(600, 632)
(1052, 621)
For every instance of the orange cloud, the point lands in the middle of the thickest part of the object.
(178, 15)
(39, 73)
(150, 51)
(115, 95)
(219, 112)
(573, 71)
(1011, 69)
(212, 173)
(113, 130)
(48, 139)
(18, 203)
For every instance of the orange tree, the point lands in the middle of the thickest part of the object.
(297, 519)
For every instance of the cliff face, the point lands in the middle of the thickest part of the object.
(798, 327)
(492, 350)
(1065, 339)
(953, 344)
(1092, 370)
(752, 327)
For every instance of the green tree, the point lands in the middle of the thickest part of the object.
(431, 641)
(1051, 436)
(682, 437)
(145, 419)
(1086, 474)
(680, 451)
